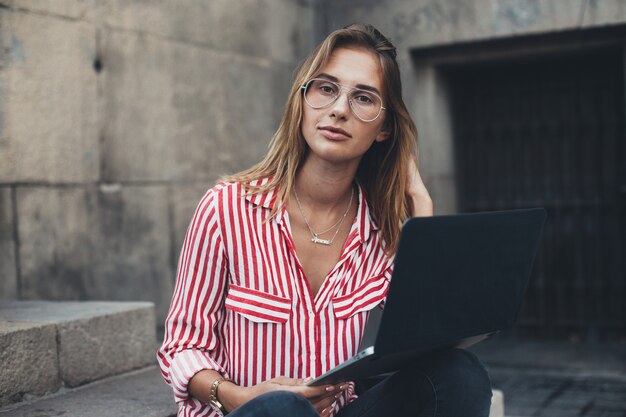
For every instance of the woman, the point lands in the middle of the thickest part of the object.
(282, 263)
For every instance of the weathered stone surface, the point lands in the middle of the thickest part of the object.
(162, 103)
(28, 354)
(48, 101)
(93, 348)
(66, 8)
(8, 268)
(94, 339)
(57, 242)
(132, 256)
(430, 105)
(64, 311)
(139, 394)
(81, 243)
(275, 30)
(288, 31)
(179, 112)
(510, 17)
(599, 13)
(421, 23)
(253, 97)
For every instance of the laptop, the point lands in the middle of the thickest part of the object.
(457, 280)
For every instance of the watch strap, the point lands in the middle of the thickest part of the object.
(213, 395)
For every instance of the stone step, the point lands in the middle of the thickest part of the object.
(140, 393)
(47, 345)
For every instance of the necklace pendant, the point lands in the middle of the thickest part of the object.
(316, 239)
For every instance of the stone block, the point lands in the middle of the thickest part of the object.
(512, 17)
(67, 8)
(288, 29)
(94, 339)
(177, 112)
(141, 394)
(270, 29)
(606, 12)
(430, 106)
(423, 23)
(8, 269)
(81, 243)
(162, 106)
(133, 251)
(253, 98)
(95, 347)
(57, 242)
(28, 354)
(49, 100)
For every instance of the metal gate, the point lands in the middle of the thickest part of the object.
(550, 132)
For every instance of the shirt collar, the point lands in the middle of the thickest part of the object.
(364, 222)
(264, 199)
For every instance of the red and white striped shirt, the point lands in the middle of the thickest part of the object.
(242, 304)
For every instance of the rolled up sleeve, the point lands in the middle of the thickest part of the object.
(194, 338)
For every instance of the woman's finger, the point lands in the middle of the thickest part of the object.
(312, 392)
(326, 411)
(324, 404)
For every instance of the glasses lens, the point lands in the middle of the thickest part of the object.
(366, 105)
(320, 93)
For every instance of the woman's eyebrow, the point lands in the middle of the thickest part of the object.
(359, 86)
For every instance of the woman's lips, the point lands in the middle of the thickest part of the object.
(334, 133)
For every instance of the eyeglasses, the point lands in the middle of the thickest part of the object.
(319, 93)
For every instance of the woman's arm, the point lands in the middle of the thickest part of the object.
(416, 191)
(191, 342)
(232, 396)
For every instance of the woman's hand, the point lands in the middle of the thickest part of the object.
(416, 191)
(321, 397)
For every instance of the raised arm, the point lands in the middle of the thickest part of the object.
(418, 194)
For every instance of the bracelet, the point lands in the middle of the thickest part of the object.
(213, 395)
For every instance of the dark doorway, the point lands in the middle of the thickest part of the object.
(549, 131)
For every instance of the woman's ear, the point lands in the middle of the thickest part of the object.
(382, 136)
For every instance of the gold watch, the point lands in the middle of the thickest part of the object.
(213, 395)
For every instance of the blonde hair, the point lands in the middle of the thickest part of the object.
(383, 169)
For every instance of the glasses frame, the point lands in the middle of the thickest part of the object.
(340, 87)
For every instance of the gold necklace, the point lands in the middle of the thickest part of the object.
(315, 236)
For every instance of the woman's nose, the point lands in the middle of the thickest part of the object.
(341, 107)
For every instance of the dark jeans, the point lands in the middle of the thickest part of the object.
(451, 383)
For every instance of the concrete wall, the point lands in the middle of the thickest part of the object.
(417, 25)
(115, 117)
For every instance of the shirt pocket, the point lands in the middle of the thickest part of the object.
(367, 296)
(258, 306)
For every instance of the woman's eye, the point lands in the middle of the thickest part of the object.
(363, 98)
(327, 89)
